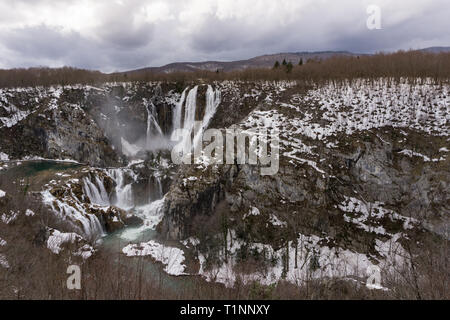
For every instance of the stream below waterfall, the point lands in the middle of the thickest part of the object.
(39, 173)
(42, 175)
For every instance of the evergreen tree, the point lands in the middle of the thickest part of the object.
(300, 63)
(276, 65)
(284, 62)
(289, 67)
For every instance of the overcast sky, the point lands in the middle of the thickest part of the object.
(113, 35)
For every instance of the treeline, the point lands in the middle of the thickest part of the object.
(411, 64)
(49, 76)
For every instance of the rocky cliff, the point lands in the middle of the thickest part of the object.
(363, 169)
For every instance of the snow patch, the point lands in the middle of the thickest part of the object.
(172, 258)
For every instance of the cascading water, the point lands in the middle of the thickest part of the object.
(190, 108)
(160, 189)
(213, 98)
(151, 215)
(176, 119)
(153, 128)
(212, 102)
(91, 227)
(183, 147)
(125, 178)
(103, 194)
(95, 228)
(124, 191)
(96, 191)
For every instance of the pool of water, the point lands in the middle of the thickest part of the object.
(30, 168)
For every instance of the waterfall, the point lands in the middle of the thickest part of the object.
(191, 106)
(212, 102)
(91, 227)
(95, 227)
(152, 124)
(96, 193)
(160, 190)
(151, 215)
(103, 194)
(124, 192)
(213, 99)
(177, 111)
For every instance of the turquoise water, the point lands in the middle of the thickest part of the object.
(31, 168)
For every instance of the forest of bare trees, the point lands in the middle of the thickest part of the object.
(412, 64)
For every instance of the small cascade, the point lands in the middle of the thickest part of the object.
(96, 191)
(125, 199)
(160, 189)
(124, 191)
(154, 187)
(103, 194)
(151, 215)
(95, 227)
(176, 118)
(90, 227)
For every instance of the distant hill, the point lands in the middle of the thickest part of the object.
(265, 61)
(436, 49)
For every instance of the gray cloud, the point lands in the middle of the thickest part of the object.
(120, 35)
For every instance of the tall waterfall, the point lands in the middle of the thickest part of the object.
(177, 111)
(213, 99)
(153, 127)
(212, 102)
(190, 108)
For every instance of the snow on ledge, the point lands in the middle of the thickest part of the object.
(171, 257)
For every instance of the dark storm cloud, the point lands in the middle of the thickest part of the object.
(120, 35)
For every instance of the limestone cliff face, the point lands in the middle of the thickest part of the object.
(81, 123)
(351, 170)
(189, 198)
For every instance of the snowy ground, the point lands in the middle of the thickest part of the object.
(314, 261)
